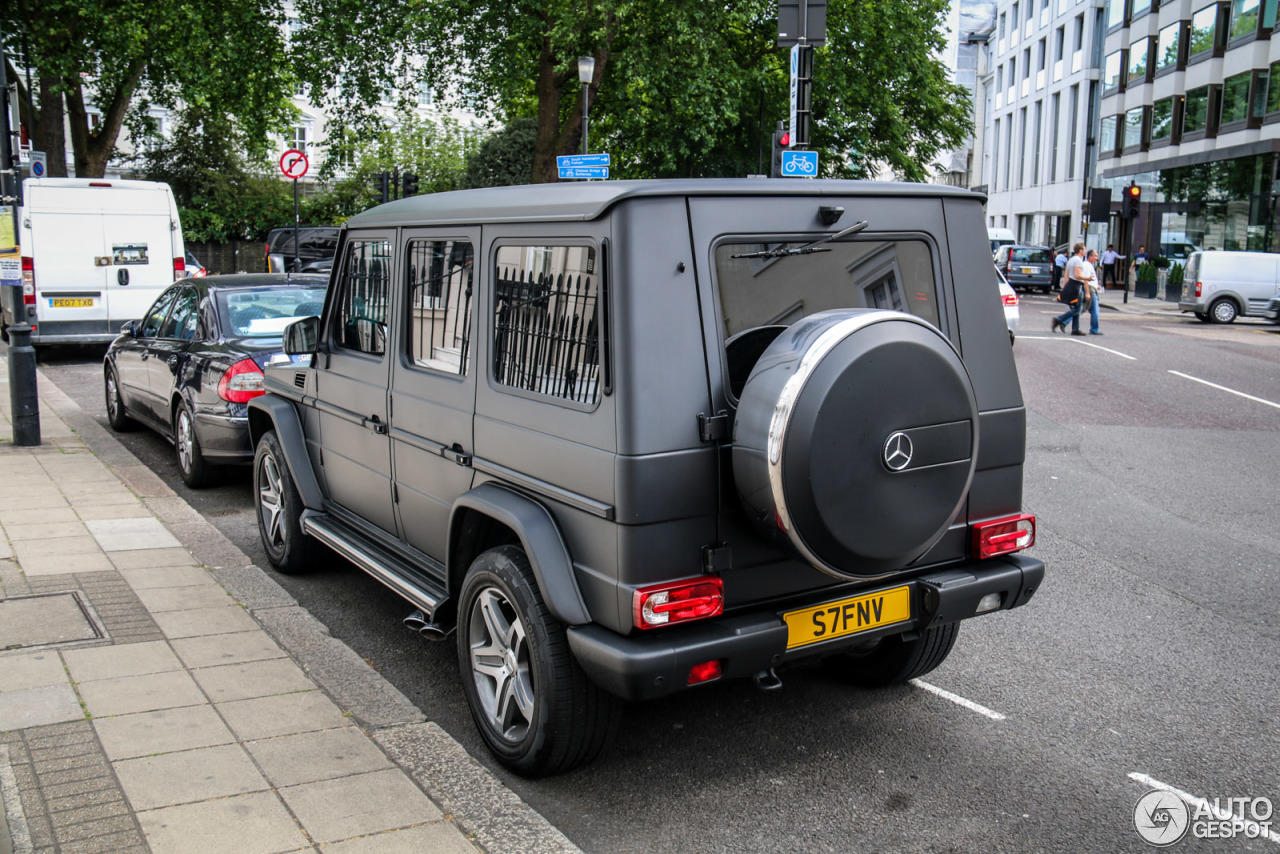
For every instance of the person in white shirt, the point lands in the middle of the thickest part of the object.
(1091, 288)
(1111, 265)
(1073, 290)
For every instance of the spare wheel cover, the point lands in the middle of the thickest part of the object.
(856, 437)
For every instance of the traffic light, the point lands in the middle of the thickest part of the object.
(781, 140)
(410, 185)
(382, 188)
(1130, 201)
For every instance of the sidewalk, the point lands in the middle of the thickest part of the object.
(160, 693)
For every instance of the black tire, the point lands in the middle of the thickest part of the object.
(1202, 317)
(1223, 311)
(116, 417)
(195, 470)
(279, 510)
(536, 710)
(893, 660)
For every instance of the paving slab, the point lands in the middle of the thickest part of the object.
(32, 670)
(146, 578)
(115, 662)
(38, 707)
(165, 731)
(204, 621)
(438, 838)
(145, 558)
(332, 810)
(246, 824)
(227, 649)
(163, 599)
(43, 619)
(285, 714)
(188, 776)
(120, 535)
(252, 679)
(141, 694)
(292, 760)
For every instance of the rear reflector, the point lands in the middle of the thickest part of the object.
(242, 382)
(1003, 536)
(1010, 299)
(28, 281)
(704, 672)
(678, 602)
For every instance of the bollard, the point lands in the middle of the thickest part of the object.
(24, 402)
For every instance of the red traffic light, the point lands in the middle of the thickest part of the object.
(1134, 191)
(786, 139)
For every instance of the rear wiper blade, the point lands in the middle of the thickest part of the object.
(815, 246)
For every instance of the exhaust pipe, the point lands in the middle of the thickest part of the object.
(417, 621)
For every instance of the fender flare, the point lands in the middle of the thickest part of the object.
(284, 420)
(540, 537)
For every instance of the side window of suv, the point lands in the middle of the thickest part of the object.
(546, 321)
(364, 288)
(440, 292)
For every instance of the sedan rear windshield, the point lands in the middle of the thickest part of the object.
(265, 312)
(1032, 256)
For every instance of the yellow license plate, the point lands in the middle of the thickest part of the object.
(847, 616)
(71, 302)
(1028, 271)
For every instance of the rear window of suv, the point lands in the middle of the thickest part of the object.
(895, 274)
(1032, 256)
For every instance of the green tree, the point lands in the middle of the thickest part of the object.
(505, 158)
(122, 56)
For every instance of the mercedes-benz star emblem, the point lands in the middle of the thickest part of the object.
(898, 451)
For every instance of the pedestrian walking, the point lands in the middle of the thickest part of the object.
(1072, 291)
(1059, 265)
(1092, 289)
(1111, 266)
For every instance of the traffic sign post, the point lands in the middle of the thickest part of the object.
(294, 164)
(582, 166)
(38, 163)
(799, 164)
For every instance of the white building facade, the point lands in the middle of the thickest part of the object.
(1039, 109)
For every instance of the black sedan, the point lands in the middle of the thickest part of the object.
(190, 366)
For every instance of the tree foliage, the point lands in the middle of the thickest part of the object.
(504, 158)
(102, 63)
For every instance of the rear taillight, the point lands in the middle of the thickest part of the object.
(1010, 299)
(179, 268)
(28, 281)
(1199, 285)
(242, 382)
(678, 602)
(1003, 536)
(707, 671)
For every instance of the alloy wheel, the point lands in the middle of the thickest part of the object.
(270, 506)
(500, 664)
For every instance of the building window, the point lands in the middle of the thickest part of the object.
(1008, 147)
(1078, 43)
(1013, 75)
(1133, 128)
(1203, 24)
(1167, 45)
(1013, 17)
(1059, 43)
(1140, 7)
(1026, 64)
(1055, 120)
(1112, 68)
(1002, 24)
(1273, 89)
(1196, 115)
(1162, 120)
(1244, 18)
(1235, 98)
(299, 140)
(1259, 99)
(1107, 137)
(1000, 79)
(1115, 13)
(1073, 123)
(425, 95)
(995, 158)
(1138, 56)
(1038, 134)
(1022, 147)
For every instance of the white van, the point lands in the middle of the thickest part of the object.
(95, 255)
(1000, 237)
(1219, 286)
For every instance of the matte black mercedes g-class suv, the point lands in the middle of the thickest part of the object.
(629, 438)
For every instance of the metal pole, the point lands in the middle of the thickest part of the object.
(297, 265)
(585, 93)
(24, 402)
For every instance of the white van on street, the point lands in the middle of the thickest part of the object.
(1220, 286)
(1000, 237)
(95, 255)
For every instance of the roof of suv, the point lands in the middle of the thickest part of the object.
(587, 200)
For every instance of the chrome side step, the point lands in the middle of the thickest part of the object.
(398, 575)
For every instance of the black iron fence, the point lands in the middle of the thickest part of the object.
(546, 334)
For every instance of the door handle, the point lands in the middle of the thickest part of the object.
(122, 276)
(375, 424)
(456, 454)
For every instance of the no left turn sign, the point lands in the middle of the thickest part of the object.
(294, 164)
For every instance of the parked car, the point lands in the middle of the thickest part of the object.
(1219, 286)
(316, 243)
(1027, 267)
(94, 255)
(194, 269)
(1273, 310)
(189, 367)
(998, 237)
(632, 438)
(1009, 299)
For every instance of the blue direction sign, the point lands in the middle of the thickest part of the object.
(799, 164)
(583, 165)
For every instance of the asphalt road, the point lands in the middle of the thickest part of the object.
(1150, 651)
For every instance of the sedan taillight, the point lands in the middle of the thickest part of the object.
(1010, 299)
(242, 382)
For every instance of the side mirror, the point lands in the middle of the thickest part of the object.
(130, 329)
(300, 337)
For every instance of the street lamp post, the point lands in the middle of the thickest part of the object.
(586, 69)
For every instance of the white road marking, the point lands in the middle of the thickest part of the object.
(1202, 804)
(1076, 339)
(958, 700)
(1224, 388)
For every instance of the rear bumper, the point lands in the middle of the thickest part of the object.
(648, 666)
(224, 438)
(1198, 307)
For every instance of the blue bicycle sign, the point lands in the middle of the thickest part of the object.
(799, 164)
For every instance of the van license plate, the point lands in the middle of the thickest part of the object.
(847, 616)
(1030, 271)
(71, 302)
